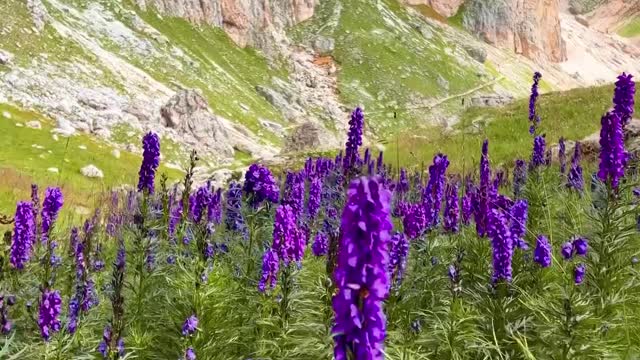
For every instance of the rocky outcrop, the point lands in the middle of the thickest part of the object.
(611, 14)
(445, 8)
(258, 23)
(188, 113)
(528, 27)
(38, 12)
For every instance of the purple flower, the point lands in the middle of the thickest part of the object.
(320, 244)
(189, 354)
(502, 245)
(403, 183)
(214, 210)
(451, 209)
(48, 320)
(414, 221)
(5, 302)
(537, 156)
(174, 218)
(575, 179)
(23, 235)
(542, 253)
(578, 273)
(519, 177)
(518, 228)
(613, 156)
(103, 347)
(354, 139)
(432, 195)
(533, 119)
(150, 162)
(190, 326)
(398, 257)
(580, 246)
(623, 97)
(288, 240)
(120, 347)
(467, 209)
(567, 250)
(562, 156)
(208, 250)
(294, 193)
(198, 203)
(482, 196)
(234, 219)
(380, 162)
(53, 201)
(362, 277)
(270, 268)
(315, 194)
(35, 203)
(74, 309)
(260, 185)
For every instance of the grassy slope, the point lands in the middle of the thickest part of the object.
(385, 61)
(21, 163)
(573, 114)
(631, 29)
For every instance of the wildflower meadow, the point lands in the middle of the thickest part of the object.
(346, 258)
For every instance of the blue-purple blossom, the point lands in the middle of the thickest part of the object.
(53, 201)
(398, 257)
(294, 192)
(35, 203)
(578, 273)
(198, 203)
(5, 302)
(613, 156)
(288, 240)
(234, 219)
(260, 185)
(48, 321)
(403, 182)
(433, 192)
(575, 179)
(23, 235)
(414, 221)
(518, 228)
(362, 277)
(270, 268)
(467, 209)
(315, 196)
(189, 354)
(214, 210)
(562, 155)
(538, 154)
(623, 97)
(533, 118)
(451, 209)
(542, 252)
(175, 215)
(150, 162)
(103, 347)
(190, 326)
(481, 199)
(502, 245)
(320, 244)
(580, 246)
(354, 139)
(566, 250)
(519, 177)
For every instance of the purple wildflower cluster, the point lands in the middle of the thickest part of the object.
(575, 179)
(538, 154)
(623, 97)
(613, 156)
(354, 139)
(48, 318)
(433, 192)
(578, 246)
(398, 257)
(542, 252)
(6, 301)
(53, 201)
(362, 277)
(23, 235)
(502, 245)
(260, 185)
(519, 177)
(481, 198)
(451, 209)
(150, 162)
(534, 119)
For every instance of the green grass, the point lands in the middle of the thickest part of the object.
(573, 114)
(385, 62)
(631, 29)
(22, 164)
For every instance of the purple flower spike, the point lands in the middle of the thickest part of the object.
(538, 154)
(315, 195)
(23, 235)
(451, 209)
(567, 250)
(623, 97)
(362, 277)
(53, 201)
(562, 156)
(189, 354)
(260, 185)
(433, 193)
(542, 253)
(150, 162)
(575, 179)
(270, 267)
(533, 118)
(613, 156)
(398, 257)
(48, 321)
(519, 177)
(354, 139)
(519, 215)
(502, 244)
(581, 246)
(482, 197)
(320, 244)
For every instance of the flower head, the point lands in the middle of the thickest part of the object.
(234, 219)
(53, 201)
(260, 185)
(315, 196)
(542, 253)
(288, 239)
(575, 179)
(150, 162)
(198, 203)
(270, 268)
(518, 228)
(623, 97)
(354, 139)
(533, 118)
(567, 250)
(562, 156)
(580, 246)
(482, 197)
(398, 257)
(23, 235)
(578, 273)
(502, 245)
(432, 194)
(190, 326)
(320, 244)
(451, 209)
(538, 154)
(362, 277)
(414, 221)
(48, 321)
(613, 156)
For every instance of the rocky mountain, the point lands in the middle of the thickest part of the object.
(241, 79)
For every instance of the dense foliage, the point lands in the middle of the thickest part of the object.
(346, 258)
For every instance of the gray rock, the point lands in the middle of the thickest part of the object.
(35, 124)
(304, 137)
(477, 53)
(91, 171)
(425, 31)
(273, 127)
(39, 13)
(443, 82)
(64, 127)
(491, 100)
(6, 115)
(53, 170)
(324, 45)
(5, 57)
(115, 153)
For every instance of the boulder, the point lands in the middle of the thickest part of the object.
(5, 57)
(115, 153)
(53, 170)
(477, 53)
(304, 137)
(324, 45)
(35, 124)
(91, 171)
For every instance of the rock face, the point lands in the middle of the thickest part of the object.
(38, 13)
(528, 27)
(188, 113)
(609, 15)
(445, 8)
(248, 22)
